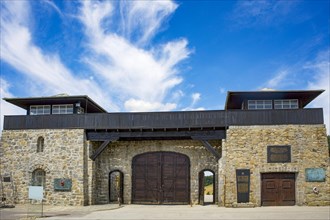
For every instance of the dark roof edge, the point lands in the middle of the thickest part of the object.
(87, 98)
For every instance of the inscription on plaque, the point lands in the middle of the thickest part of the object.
(279, 154)
(243, 185)
(315, 175)
(62, 184)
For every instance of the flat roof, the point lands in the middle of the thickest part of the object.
(235, 99)
(85, 102)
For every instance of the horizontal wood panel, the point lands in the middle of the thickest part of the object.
(165, 120)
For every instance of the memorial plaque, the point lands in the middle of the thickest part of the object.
(6, 179)
(61, 184)
(279, 154)
(243, 185)
(315, 175)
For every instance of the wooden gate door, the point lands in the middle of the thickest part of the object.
(160, 178)
(278, 189)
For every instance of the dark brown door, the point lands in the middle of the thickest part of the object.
(278, 189)
(160, 178)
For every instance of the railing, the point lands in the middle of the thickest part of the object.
(165, 120)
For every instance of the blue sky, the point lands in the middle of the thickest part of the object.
(163, 55)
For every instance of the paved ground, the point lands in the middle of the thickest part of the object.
(180, 212)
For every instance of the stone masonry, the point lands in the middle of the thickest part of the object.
(119, 155)
(246, 148)
(62, 158)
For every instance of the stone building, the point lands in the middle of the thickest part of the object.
(264, 149)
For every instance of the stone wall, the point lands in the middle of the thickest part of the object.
(246, 148)
(62, 158)
(119, 155)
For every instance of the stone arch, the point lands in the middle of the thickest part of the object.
(202, 197)
(116, 186)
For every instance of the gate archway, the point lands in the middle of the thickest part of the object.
(161, 178)
(116, 186)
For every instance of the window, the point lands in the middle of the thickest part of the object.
(286, 104)
(260, 104)
(38, 177)
(39, 109)
(62, 109)
(40, 144)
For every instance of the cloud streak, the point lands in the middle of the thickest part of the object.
(261, 12)
(141, 77)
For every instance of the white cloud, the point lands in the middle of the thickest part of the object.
(277, 80)
(140, 21)
(135, 74)
(142, 106)
(195, 98)
(47, 71)
(261, 12)
(5, 107)
(321, 69)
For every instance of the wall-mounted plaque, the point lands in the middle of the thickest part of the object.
(61, 184)
(315, 175)
(6, 179)
(243, 185)
(279, 154)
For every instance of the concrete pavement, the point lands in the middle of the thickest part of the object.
(184, 212)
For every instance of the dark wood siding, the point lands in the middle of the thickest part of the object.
(165, 120)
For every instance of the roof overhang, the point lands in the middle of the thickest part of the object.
(235, 98)
(85, 102)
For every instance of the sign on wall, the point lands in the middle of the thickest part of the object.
(61, 184)
(243, 185)
(279, 154)
(315, 174)
(36, 192)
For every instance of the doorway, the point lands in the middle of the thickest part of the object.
(206, 187)
(161, 178)
(116, 186)
(278, 189)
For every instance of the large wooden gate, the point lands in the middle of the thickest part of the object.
(161, 178)
(278, 189)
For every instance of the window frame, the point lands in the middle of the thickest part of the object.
(40, 109)
(39, 177)
(264, 104)
(63, 109)
(290, 103)
(40, 144)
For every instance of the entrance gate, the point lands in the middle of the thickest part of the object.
(161, 178)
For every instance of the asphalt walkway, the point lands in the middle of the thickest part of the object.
(166, 212)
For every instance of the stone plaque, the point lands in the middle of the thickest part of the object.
(61, 184)
(279, 154)
(315, 175)
(243, 185)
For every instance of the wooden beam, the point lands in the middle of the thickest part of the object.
(211, 149)
(157, 135)
(100, 149)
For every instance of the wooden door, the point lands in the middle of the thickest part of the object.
(160, 178)
(278, 189)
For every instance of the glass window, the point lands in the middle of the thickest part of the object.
(260, 104)
(40, 144)
(286, 104)
(38, 177)
(39, 109)
(62, 109)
